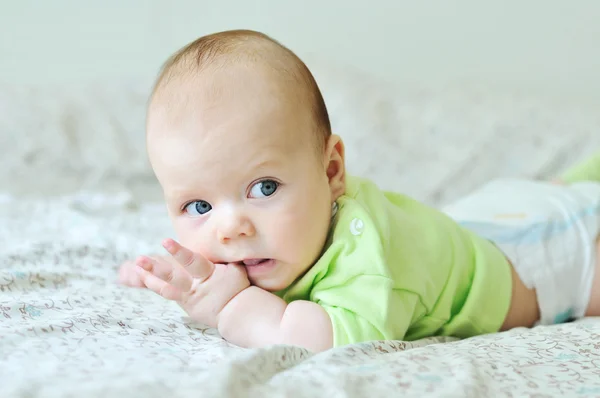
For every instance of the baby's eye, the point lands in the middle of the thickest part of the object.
(263, 188)
(198, 208)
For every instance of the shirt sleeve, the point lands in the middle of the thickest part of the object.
(367, 308)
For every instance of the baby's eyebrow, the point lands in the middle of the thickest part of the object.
(265, 164)
(178, 197)
(270, 160)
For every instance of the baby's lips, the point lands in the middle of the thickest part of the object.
(253, 261)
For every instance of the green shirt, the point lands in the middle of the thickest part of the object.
(396, 269)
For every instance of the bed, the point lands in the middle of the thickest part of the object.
(77, 198)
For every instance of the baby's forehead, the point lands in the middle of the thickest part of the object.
(181, 156)
(219, 132)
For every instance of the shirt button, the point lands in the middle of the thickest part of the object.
(357, 226)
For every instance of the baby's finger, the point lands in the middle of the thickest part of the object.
(160, 267)
(158, 286)
(169, 272)
(194, 263)
(128, 277)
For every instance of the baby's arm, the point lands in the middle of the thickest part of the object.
(220, 296)
(255, 317)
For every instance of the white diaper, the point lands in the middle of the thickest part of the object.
(547, 231)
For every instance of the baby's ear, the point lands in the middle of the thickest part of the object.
(335, 166)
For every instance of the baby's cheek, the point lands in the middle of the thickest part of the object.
(292, 230)
(190, 234)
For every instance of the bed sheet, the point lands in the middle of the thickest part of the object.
(68, 330)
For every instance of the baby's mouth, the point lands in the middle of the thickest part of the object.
(253, 262)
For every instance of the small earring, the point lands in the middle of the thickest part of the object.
(334, 209)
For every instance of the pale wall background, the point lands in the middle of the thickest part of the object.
(549, 46)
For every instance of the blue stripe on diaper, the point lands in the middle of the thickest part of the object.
(564, 316)
(530, 233)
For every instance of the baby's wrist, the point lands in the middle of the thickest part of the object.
(227, 315)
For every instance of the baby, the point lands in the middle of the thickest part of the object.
(278, 245)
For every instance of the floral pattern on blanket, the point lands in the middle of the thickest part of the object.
(66, 329)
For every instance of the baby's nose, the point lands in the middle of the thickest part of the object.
(235, 228)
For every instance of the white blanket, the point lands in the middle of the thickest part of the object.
(66, 329)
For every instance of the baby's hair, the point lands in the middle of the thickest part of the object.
(247, 46)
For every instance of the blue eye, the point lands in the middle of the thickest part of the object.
(263, 188)
(198, 208)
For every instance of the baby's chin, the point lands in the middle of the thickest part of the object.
(276, 282)
(272, 284)
(269, 286)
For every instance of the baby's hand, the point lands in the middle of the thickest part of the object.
(129, 277)
(200, 287)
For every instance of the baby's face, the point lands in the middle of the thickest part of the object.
(243, 182)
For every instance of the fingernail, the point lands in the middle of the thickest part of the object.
(143, 263)
(168, 244)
